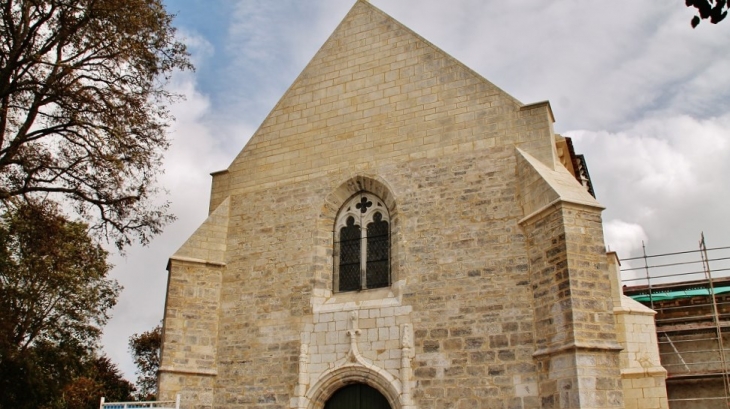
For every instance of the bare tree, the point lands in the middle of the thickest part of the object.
(83, 108)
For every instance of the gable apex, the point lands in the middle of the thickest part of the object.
(374, 92)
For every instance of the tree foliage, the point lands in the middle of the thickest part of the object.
(145, 348)
(715, 10)
(35, 377)
(53, 283)
(83, 108)
(60, 376)
(54, 299)
(101, 378)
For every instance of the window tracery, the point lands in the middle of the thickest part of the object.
(362, 255)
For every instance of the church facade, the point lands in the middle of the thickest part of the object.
(398, 233)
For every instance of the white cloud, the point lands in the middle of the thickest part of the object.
(267, 45)
(200, 48)
(664, 174)
(599, 65)
(622, 237)
(626, 239)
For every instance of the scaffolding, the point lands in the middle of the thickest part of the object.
(690, 291)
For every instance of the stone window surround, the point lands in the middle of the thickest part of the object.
(339, 192)
(351, 208)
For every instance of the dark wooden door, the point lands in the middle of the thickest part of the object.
(357, 396)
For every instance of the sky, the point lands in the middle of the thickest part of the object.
(643, 96)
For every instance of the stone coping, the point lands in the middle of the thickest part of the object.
(643, 372)
(197, 261)
(200, 372)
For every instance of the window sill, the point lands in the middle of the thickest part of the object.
(351, 300)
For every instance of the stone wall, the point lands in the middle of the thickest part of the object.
(577, 353)
(642, 374)
(189, 351)
(464, 277)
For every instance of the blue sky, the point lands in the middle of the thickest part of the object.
(643, 96)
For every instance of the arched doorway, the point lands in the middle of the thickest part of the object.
(357, 396)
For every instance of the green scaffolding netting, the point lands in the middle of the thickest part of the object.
(674, 295)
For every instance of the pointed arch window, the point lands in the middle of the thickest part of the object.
(362, 244)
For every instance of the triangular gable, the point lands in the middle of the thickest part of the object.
(376, 91)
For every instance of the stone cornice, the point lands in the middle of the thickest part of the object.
(578, 346)
(555, 204)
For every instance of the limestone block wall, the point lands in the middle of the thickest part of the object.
(467, 280)
(190, 325)
(189, 349)
(470, 285)
(356, 335)
(462, 272)
(577, 353)
(196, 391)
(380, 321)
(642, 374)
(644, 379)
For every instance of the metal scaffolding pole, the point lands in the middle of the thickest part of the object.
(715, 317)
(693, 306)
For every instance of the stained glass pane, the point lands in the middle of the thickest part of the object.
(376, 273)
(350, 257)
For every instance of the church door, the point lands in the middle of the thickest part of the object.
(357, 396)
